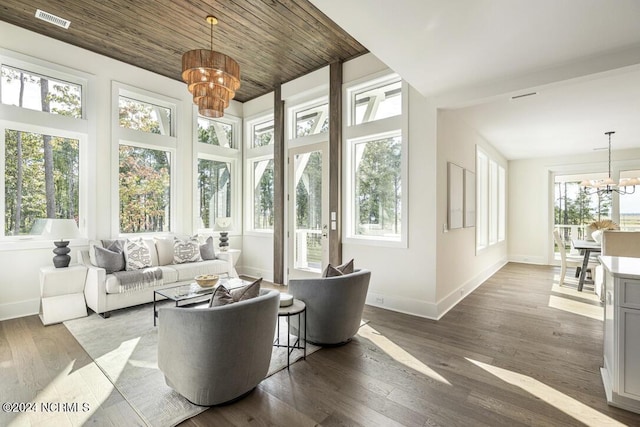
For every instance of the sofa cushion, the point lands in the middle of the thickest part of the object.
(136, 254)
(164, 247)
(207, 252)
(111, 258)
(189, 270)
(186, 250)
(223, 296)
(112, 284)
(92, 251)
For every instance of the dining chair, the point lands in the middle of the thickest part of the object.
(568, 260)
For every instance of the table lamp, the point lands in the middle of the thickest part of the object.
(58, 230)
(223, 225)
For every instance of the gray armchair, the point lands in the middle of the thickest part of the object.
(334, 306)
(215, 355)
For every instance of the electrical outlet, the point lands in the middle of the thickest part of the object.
(379, 300)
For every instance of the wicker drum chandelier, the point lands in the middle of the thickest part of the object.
(212, 77)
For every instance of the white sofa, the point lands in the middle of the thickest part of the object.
(103, 292)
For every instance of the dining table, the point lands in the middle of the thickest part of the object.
(586, 248)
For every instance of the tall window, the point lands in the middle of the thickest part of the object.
(214, 188)
(376, 162)
(146, 159)
(575, 209)
(491, 201)
(217, 179)
(630, 205)
(145, 189)
(259, 176)
(41, 154)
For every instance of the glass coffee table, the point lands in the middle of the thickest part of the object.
(192, 293)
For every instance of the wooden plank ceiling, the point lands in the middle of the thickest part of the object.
(274, 41)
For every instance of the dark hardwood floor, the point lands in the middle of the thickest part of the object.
(517, 351)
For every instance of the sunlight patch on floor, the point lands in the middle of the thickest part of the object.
(564, 290)
(118, 359)
(398, 353)
(69, 399)
(551, 396)
(576, 307)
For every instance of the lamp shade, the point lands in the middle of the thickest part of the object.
(60, 229)
(223, 223)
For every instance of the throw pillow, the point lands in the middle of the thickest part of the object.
(186, 250)
(165, 250)
(331, 271)
(136, 255)
(346, 268)
(111, 258)
(206, 250)
(222, 296)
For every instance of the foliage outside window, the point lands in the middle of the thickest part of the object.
(145, 184)
(378, 186)
(574, 206)
(41, 93)
(144, 116)
(312, 121)
(263, 214)
(215, 132)
(214, 190)
(262, 134)
(41, 181)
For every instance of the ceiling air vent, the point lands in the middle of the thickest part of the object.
(52, 19)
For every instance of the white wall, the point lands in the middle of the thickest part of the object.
(20, 261)
(459, 268)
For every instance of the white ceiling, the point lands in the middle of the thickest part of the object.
(581, 56)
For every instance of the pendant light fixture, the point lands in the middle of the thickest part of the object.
(607, 186)
(212, 77)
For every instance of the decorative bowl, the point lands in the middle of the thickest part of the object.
(206, 280)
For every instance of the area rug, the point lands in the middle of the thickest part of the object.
(124, 347)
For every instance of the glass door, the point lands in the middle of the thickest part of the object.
(308, 204)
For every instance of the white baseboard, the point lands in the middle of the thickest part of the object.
(528, 259)
(402, 305)
(454, 297)
(254, 272)
(14, 310)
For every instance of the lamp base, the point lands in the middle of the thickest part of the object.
(62, 258)
(224, 241)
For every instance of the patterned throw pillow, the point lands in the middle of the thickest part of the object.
(136, 254)
(222, 296)
(186, 250)
(206, 249)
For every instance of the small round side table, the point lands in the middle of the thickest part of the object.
(298, 308)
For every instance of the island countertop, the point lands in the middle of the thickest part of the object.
(624, 267)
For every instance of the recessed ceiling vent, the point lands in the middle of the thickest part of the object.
(524, 95)
(52, 19)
